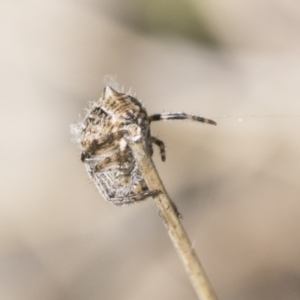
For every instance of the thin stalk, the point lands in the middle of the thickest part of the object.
(173, 225)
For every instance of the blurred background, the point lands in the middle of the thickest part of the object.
(236, 185)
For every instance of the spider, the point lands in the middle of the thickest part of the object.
(110, 124)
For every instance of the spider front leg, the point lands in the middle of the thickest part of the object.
(122, 161)
(180, 116)
(108, 163)
(161, 146)
(140, 196)
(101, 144)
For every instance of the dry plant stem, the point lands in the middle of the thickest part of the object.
(175, 229)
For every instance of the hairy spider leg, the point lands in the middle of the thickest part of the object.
(114, 161)
(161, 146)
(180, 116)
(100, 143)
(133, 198)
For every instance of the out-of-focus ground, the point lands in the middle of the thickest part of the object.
(237, 184)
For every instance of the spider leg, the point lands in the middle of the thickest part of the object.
(161, 146)
(119, 160)
(133, 198)
(180, 116)
(105, 141)
(107, 162)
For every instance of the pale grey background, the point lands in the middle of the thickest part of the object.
(237, 184)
